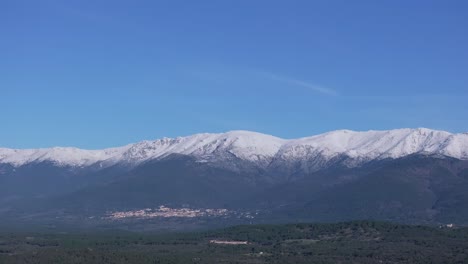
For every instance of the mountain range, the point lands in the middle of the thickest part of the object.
(259, 148)
(406, 175)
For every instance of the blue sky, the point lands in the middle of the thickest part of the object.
(96, 74)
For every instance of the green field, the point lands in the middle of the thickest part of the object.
(350, 242)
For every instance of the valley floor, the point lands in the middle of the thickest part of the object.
(350, 242)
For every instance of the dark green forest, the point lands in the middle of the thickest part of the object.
(349, 242)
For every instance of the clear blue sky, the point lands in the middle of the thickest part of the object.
(96, 74)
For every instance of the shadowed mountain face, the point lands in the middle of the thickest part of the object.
(415, 189)
(400, 175)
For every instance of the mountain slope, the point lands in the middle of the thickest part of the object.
(416, 189)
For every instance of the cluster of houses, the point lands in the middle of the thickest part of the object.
(228, 242)
(164, 211)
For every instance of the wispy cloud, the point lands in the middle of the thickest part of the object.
(304, 84)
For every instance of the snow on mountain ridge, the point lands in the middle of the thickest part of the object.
(376, 144)
(60, 155)
(260, 148)
(243, 144)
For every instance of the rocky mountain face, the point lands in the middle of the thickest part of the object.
(408, 175)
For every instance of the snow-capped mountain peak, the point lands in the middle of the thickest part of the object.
(243, 144)
(259, 148)
(380, 144)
